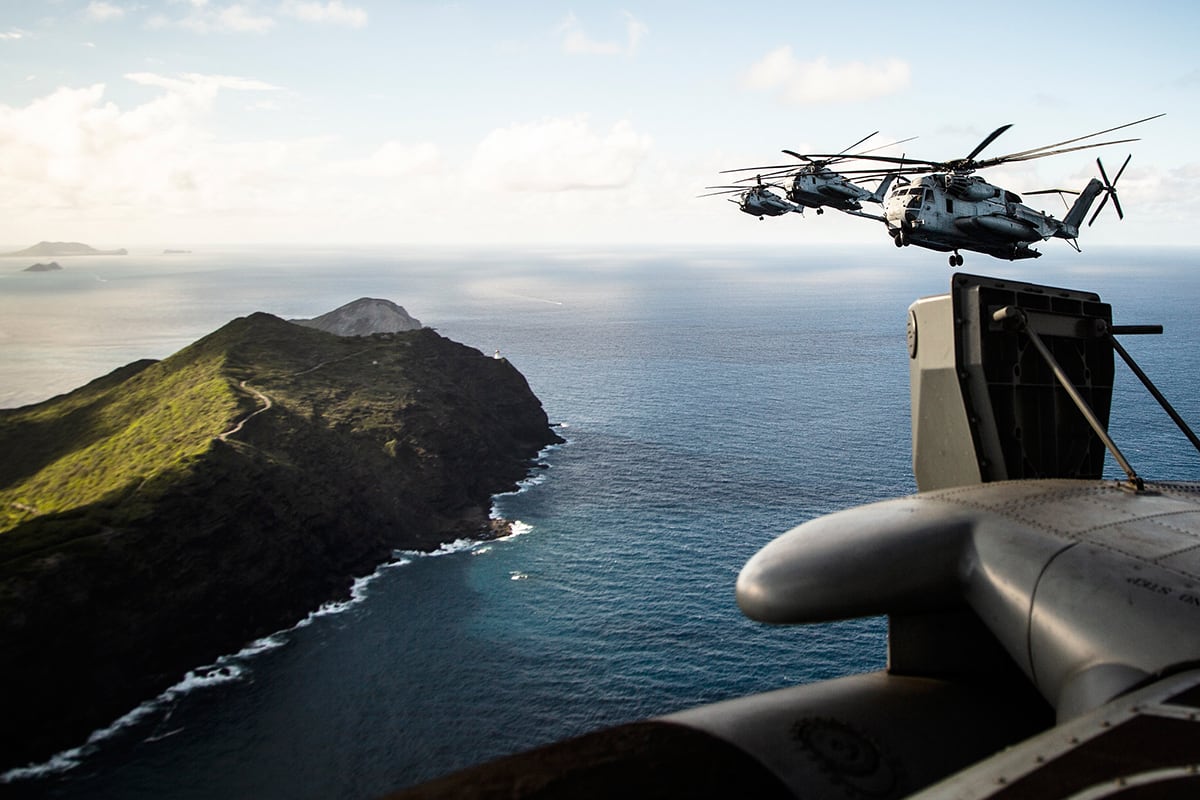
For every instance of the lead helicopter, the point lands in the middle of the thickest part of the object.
(949, 208)
(815, 185)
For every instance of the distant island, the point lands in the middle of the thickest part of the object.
(60, 249)
(40, 267)
(175, 252)
(173, 511)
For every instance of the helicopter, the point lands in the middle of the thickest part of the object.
(815, 185)
(758, 200)
(949, 208)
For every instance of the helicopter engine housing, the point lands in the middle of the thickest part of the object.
(970, 187)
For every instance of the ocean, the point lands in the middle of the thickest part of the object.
(711, 399)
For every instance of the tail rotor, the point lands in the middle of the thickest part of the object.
(1110, 190)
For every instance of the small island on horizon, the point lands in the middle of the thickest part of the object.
(52, 266)
(61, 249)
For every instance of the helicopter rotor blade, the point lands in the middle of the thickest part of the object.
(882, 147)
(1012, 156)
(1121, 171)
(1099, 208)
(860, 141)
(991, 137)
(758, 169)
(1031, 155)
(801, 156)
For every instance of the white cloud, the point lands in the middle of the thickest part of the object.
(577, 42)
(195, 83)
(13, 35)
(557, 155)
(202, 17)
(815, 82)
(102, 12)
(394, 160)
(335, 12)
(74, 161)
(72, 150)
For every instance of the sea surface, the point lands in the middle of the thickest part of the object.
(711, 400)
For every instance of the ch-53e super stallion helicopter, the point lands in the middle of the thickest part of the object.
(814, 184)
(1043, 621)
(758, 201)
(949, 208)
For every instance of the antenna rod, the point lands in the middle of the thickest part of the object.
(1021, 323)
(1150, 387)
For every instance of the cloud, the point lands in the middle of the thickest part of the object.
(576, 42)
(817, 82)
(73, 150)
(74, 160)
(556, 155)
(102, 12)
(207, 85)
(393, 160)
(334, 12)
(203, 17)
(13, 35)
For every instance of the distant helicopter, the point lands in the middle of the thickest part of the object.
(759, 200)
(815, 185)
(949, 209)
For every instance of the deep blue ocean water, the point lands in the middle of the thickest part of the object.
(711, 399)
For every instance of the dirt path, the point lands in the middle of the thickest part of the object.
(266, 401)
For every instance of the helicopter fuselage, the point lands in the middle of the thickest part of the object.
(762, 202)
(950, 212)
(820, 187)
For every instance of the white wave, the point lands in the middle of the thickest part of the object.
(445, 549)
(223, 670)
(230, 668)
(480, 551)
(226, 669)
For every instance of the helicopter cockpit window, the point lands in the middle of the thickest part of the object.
(1011, 197)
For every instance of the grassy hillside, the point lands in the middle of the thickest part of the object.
(115, 442)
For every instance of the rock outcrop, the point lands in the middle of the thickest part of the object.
(362, 317)
(173, 511)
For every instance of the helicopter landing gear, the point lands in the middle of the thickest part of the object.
(956, 260)
(898, 240)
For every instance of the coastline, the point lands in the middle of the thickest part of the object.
(264, 528)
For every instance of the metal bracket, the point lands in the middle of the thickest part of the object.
(1018, 320)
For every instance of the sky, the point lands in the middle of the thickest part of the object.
(196, 122)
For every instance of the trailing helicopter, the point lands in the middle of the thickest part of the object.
(815, 185)
(758, 201)
(949, 208)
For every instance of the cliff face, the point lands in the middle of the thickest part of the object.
(174, 511)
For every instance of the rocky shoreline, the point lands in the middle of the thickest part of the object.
(368, 445)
